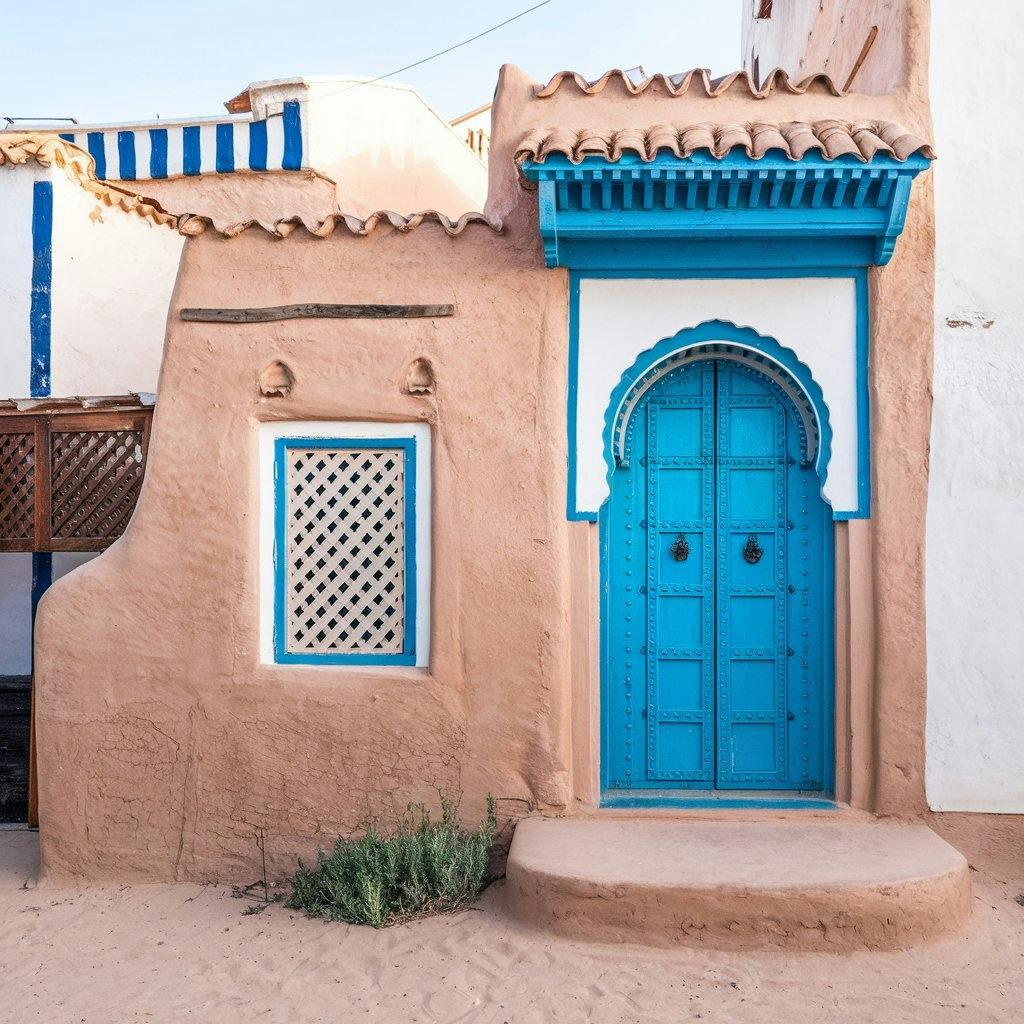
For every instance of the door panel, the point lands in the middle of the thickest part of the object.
(751, 580)
(717, 628)
(679, 526)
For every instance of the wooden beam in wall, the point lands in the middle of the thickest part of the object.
(314, 310)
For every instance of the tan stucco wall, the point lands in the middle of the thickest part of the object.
(165, 745)
(229, 199)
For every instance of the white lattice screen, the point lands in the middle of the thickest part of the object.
(345, 550)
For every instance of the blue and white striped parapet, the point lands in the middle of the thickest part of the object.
(201, 147)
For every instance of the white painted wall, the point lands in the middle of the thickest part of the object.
(113, 274)
(815, 317)
(383, 144)
(112, 278)
(16, 185)
(975, 554)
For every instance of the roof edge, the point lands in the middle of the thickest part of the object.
(699, 81)
(832, 139)
(17, 149)
(195, 224)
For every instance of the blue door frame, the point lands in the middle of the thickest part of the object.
(717, 595)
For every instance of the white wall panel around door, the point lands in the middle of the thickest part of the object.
(816, 317)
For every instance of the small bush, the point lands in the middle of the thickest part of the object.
(423, 867)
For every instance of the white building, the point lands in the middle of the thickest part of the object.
(975, 560)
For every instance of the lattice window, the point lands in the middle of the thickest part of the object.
(346, 513)
(70, 481)
(96, 477)
(17, 489)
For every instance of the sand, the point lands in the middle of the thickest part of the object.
(169, 953)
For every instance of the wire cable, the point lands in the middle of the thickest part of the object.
(440, 53)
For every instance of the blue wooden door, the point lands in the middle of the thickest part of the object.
(717, 616)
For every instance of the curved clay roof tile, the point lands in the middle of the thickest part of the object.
(861, 139)
(193, 224)
(698, 80)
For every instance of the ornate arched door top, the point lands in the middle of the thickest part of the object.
(719, 339)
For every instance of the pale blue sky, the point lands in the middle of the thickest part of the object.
(123, 60)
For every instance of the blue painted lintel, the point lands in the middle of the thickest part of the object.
(699, 213)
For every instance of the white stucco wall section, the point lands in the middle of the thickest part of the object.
(975, 558)
(16, 186)
(113, 275)
(816, 317)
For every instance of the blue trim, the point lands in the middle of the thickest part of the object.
(40, 321)
(743, 337)
(257, 145)
(863, 400)
(42, 580)
(158, 152)
(126, 156)
(781, 803)
(67, 136)
(572, 389)
(700, 211)
(97, 150)
(225, 148)
(191, 155)
(408, 655)
(292, 159)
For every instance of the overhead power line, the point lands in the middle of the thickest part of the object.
(441, 53)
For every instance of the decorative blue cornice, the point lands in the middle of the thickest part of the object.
(700, 212)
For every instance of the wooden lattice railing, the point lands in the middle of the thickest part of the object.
(70, 481)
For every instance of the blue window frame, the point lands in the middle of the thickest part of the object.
(404, 651)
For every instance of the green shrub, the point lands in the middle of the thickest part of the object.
(422, 867)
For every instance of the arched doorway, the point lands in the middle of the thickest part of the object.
(717, 583)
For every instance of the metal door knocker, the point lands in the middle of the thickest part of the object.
(680, 549)
(752, 551)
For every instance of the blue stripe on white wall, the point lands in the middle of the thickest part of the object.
(225, 148)
(220, 147)
(126, 155)
(97, 150)
(192, 156)
(292, 158)
(158, 152)
(40, 308)
(258, 146)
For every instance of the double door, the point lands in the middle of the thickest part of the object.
(717, 627)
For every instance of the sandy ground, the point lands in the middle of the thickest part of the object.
(168, 953)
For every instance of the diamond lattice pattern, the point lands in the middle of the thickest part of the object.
(95, 482)
(17, 486)
(345, 558)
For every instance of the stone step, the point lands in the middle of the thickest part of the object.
(823, 884)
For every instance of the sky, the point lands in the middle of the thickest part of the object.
(124, 61)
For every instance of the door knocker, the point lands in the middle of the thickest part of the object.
(680, 549)
(752, 551)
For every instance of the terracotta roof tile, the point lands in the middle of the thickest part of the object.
(861, 139)
(697, 82)
(192, 224)
(21, 148)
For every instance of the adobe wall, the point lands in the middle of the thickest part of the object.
(164, 743)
